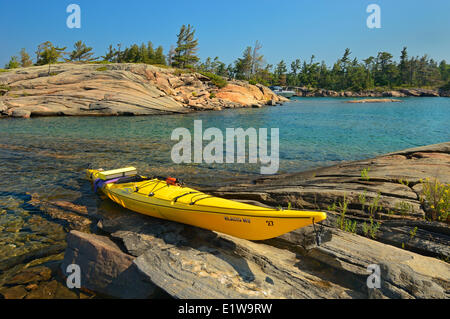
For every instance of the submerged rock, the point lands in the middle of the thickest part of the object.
(51, 290)
(16, 292)
(31, 275)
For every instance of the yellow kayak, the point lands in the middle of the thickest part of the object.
(167, 199)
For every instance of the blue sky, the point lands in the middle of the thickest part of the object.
(287, 29)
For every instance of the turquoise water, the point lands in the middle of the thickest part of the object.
(46, 156)
(313, 132)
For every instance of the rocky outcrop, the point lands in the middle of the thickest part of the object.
(373, 101)
(137, 253)
(104, 267)
(187, 262)
(444, 92)
(417, 92)
(119, 89)
(247, 94)
(388, 187)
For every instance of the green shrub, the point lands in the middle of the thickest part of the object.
(102, 68)
(163, 66)
(371, 229)
(342, 222)
(413, 233)
(258, 80)
(212, 95)
(437, 196)
(5, 87)
(179, 72)
(217, 80)
(365, 174)
(404, 208)
(98, 62)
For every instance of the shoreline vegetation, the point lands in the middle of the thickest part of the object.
(376, 76)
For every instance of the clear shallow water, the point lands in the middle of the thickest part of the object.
(47, 155)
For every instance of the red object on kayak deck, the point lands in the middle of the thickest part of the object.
(171, 181)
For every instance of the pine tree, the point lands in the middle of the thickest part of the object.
(185, 52)
(243, 66)
(111, 54)
(47, 53)
(81, 52)
(150, 53)
(280, 72)
(143, 54)
(159, 56)
(403, 67)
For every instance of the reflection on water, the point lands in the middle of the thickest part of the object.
(47, 156)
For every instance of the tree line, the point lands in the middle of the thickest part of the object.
(347, 73)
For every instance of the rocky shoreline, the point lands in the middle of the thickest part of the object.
(96, 89)
(415, 92)
(136, 256)
(71, 89)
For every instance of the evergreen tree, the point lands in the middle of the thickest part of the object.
(369, 67)
(150, 53)
(185, 52)
(385, 71)
(81, 52)
(403, 67)
(292, 78)
(48, 54)
(159, 56)
(230, 71)
(280, 73)
(111, 54)
(143, 54)
(243, 66)
(444, 70)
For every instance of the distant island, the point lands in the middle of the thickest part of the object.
(376, 74)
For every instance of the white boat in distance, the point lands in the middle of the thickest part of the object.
(280, 91)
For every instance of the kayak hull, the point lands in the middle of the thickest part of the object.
(212, 213)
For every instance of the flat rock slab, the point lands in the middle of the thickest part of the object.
(393, 181)
(187, 262)
(373, 101)
(140, 254)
